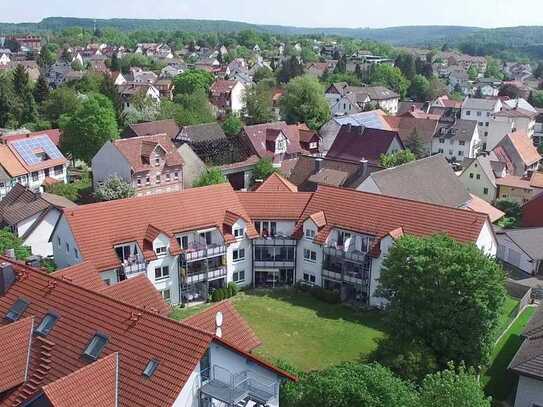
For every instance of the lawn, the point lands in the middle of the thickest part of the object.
(507, 314)
(497, 381)
(303, 331)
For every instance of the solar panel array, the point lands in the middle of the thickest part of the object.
(27, 149)
(371, 120)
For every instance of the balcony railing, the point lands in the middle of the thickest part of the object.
(230, 388)
(203, 274)
(276, 240)
(134, 265)
(345, 252)
(198, 251)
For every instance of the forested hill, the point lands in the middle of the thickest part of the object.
(419, 35)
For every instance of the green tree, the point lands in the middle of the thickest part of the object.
(263, 169)
(232, 125)
(6, 101)
(211, 176)
(341, 66)
(89, 127)
(192, 80)
(76, 65)
(45, 58)
(493, 69)
(513, 212)
(415, 144)
(397, 158)
(41, 90)
(538, 72)
(453, 388)
(445, 295)
(63, 100)
(510, 91)
(290, 69)
(391, 77)
(537, 99)
(9, 241)
(406, 63)
(263, 73)
(473, 72)
(114, 188)
(142, 109)
(304, 102)
(20, 80)
(259, 104)
(420, 88)
(115, 63)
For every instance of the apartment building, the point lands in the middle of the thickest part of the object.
(481, 111)
(190, 243)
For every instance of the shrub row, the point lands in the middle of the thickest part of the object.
(224, 293)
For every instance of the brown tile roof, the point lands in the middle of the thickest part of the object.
(524, 146)
(537, 180)
(257, 136)
(329, 176)
(10, 162)
(16, 339)
(274, 205)
(319, 218)
(276, 182)
(407, 126)
(93, 385)
(136, 334)
(514, 181)
(234, 329)
(378, 215)
(222, 86)
(168, 127)
(354, 143)
(83, 274)
(137, 151)
(128, 219)
(140, 292)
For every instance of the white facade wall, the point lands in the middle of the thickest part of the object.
(498, 129)
(454, 149)
(509, 252)
(483, 117)
(486, 241)
(190, 392)
(390, 106)
(529, 392)
(476, 182)
(376, 267)
(38, 240)
(64, 244)
(35, 183)
(246, 264)
(304, 266)
(237, 97)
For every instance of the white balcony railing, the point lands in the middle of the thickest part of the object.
(134, 265)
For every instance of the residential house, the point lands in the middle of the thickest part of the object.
(227, 96)
(31, 216)
(276, 182)
(518, 150)
(168, 127)
(521, 248)
(193, 166)
(375, 119)
(207, 140)
(459, 81)
(173, 69)
(487, 87)
(480, 176)
(445, 107)
(520, 188)
(56, 73)
(130, 89)
(138, 75)
(28, 42)
(516, 71)
(115, 355)
(357, 143)
(480, 110)
(150, 164)
(344, 99)
(317, 69)
(309, 139)
(336, 238)
(456, 139)
(527, 366)
(30, 160)
(515, 116)
(409, 127)
(165, 88)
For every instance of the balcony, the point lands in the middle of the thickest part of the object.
(203, 275)
(198, 251)
(277, 240)
(230, 388)
(347, 252)
(134, 266)
(343, 270)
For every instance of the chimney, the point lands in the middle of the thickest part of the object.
(318, 164)
(10, 254)
(364, 165)
(7, 278)
(413, 108)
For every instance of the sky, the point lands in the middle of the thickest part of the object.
(302, 13)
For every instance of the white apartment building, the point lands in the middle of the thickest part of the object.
(480, 110)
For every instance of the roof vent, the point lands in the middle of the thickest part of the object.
(7, 278)
(17, 310)
(151, 368)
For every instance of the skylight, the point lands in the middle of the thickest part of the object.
(17, 310)
(95, 346)
(151, 368)
(47, 324)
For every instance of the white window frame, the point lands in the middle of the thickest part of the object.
(167, 298)
(239, 233)
(163, 275)
(310, 234)
(161, 250)
(239, 253)
(236, 276)
(308, 255)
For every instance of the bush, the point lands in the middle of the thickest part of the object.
(233, 288)
(216, 296)
(328, 296)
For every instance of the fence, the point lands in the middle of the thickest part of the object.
(522, 293)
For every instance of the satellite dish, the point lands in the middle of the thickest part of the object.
(218, 332)
(218, 319)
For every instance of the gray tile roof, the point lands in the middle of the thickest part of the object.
(202, 132)
(530, 240)
(528, 361)
(479, 104)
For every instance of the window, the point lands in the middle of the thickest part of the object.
(157, 178)
(58, 241)
(481, 124)
(239, 233)
(460, 153)
(46, 172)
(487, 124)
(309, 277)
(450, 152)
(468, 113)
(17, 309)
(148, 180)
(471, 174)
(440, 151)
(313, 145)
(150, 368)
(462, 143)
(47, 324)
(139, 182)
(486, 135)
(310, 255)
(162, 273)
(76, 253)
(310, 234)
(238, 255)
(35, 176)
(478, 176)
(176, 175)
(441, 141)
(166, 295)
(157, 161)
(479, 114)
(266, 228)
(239, 276)
(95, 346)
(206, 236)
(183, 241)
(485, 191)
(67, 247)
(161, 251)
(59, 169)
(167, 177)
(342, 237)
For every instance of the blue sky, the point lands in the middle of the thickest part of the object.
(308, 13)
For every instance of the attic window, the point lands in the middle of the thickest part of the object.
(95, 346)
(17, 310)
(47, 324)
(151, 368)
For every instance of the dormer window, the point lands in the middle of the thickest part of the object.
(161, 251)
(239, 233)
(150, 368)
(310, 234)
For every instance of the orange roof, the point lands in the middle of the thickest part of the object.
(477, 204)
(537, 180)
(525, 148)
(140, 292)
(274, 205)
(83, 274)
(127, 220)
(514, 181)
(319, 218)
(14, 352)
(234, 329)
(93, 385)
(276, 182)
(10, 162)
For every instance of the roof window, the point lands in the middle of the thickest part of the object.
(17, 310)
(47, 324)
(96, 346)
(151, 368)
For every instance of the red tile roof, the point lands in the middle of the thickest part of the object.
(14, 353)
(140, 292)
(525, 147)
(234, 329)
(276, 182)
(136, 334)
(83, 274)
(222, 86)
(274, 205)
(93, 385)
(258, 133)
(127, 220)
(477, 204)
(379, 215)
(137, 151)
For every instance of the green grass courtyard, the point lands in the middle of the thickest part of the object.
(303, 331)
